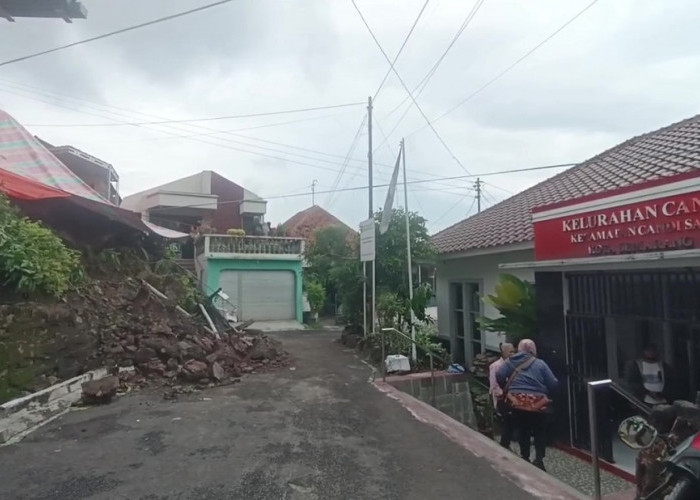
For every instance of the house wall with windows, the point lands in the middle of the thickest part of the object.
(461, 284)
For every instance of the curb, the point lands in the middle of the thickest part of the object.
(526, 476)
(21, 416)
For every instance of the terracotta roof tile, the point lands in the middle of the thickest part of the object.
(665, 152)
(305, 223)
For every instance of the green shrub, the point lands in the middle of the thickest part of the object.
(32, 257)
(316, 295)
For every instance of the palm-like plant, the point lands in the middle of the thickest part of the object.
(515, 301)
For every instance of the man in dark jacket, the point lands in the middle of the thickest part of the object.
(530, 376)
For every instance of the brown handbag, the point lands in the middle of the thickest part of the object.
(520, 400)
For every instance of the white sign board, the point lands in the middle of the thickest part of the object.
(367, 240)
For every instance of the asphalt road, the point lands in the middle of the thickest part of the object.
(318, 432)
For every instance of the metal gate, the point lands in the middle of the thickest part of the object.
(587, 354)
(668, 295)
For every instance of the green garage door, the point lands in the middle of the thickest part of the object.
(261, 295)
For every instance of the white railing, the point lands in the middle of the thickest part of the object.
(252, 245)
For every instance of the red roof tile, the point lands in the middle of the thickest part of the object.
(305, 223)
(665, 152)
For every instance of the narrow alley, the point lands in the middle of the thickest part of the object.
(316, 430)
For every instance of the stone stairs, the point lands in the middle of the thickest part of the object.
(187, 264)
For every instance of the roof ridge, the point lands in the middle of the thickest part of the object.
(663, 152)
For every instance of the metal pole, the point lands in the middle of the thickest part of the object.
(374, 295)
(383, 359)
(364, 299)
(593, 426)
(432, 375)
(414, 355)
(369, 156)
(370, 192)
(478, 195)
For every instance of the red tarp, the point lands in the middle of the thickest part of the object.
(18, 187)
(29, 173)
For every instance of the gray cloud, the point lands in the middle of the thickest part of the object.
(623, 68)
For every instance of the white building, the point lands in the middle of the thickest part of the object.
(471, 251)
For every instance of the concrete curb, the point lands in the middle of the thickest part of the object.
(526, 476)
(21, 416)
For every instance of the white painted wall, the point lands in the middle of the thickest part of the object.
(482, 269)
(199, 183)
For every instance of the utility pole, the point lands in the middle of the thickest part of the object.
(373, 316)
(477, 187)
(369, 156)
(313, 192)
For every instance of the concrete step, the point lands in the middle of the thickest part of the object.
(187, 264)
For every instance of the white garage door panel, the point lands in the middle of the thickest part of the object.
(261, 295)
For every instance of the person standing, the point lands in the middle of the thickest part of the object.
(650, 379)
(503, 415)
(528, 384)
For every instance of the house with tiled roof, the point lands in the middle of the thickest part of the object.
(305, 223)
(471, 251)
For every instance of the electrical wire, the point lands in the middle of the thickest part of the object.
(405, 41)
(190, 120)
(510, 67)
(351, 151)
(447, 212)
(213, 132)
(422, 85)
(403, 84)
(117, 32)
(359, 188)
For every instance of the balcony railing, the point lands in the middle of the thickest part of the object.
(215, 245)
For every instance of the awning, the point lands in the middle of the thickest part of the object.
(59, 208)
(673, 258)
(18, 187)
(165, 232)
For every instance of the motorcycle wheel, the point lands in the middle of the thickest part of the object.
(681, 491)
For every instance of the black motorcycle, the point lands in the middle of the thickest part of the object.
(681, 466)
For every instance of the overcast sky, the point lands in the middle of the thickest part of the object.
(622, 68)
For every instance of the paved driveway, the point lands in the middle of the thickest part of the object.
(317, 432)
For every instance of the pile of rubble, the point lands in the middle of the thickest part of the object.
(165, 345)
(135, 331)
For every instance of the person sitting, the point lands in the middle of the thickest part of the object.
(528, 384)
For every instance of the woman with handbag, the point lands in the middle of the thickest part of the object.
(528, 384)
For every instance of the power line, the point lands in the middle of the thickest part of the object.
(189, 120)
(117, 32)
(405, 41)
(351, 151)
(453, 207)
(210, 131)
(422, 85)
(403, 84)
(510, 67)
(422, 181)
(227, 145)
(508, 191)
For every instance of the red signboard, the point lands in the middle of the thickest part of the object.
(617, 225)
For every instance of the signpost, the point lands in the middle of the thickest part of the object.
(368, 254)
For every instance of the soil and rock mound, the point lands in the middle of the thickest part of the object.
(122, 323)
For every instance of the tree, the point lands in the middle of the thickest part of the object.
(515, 301)
(392, 272)
(334, 261)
